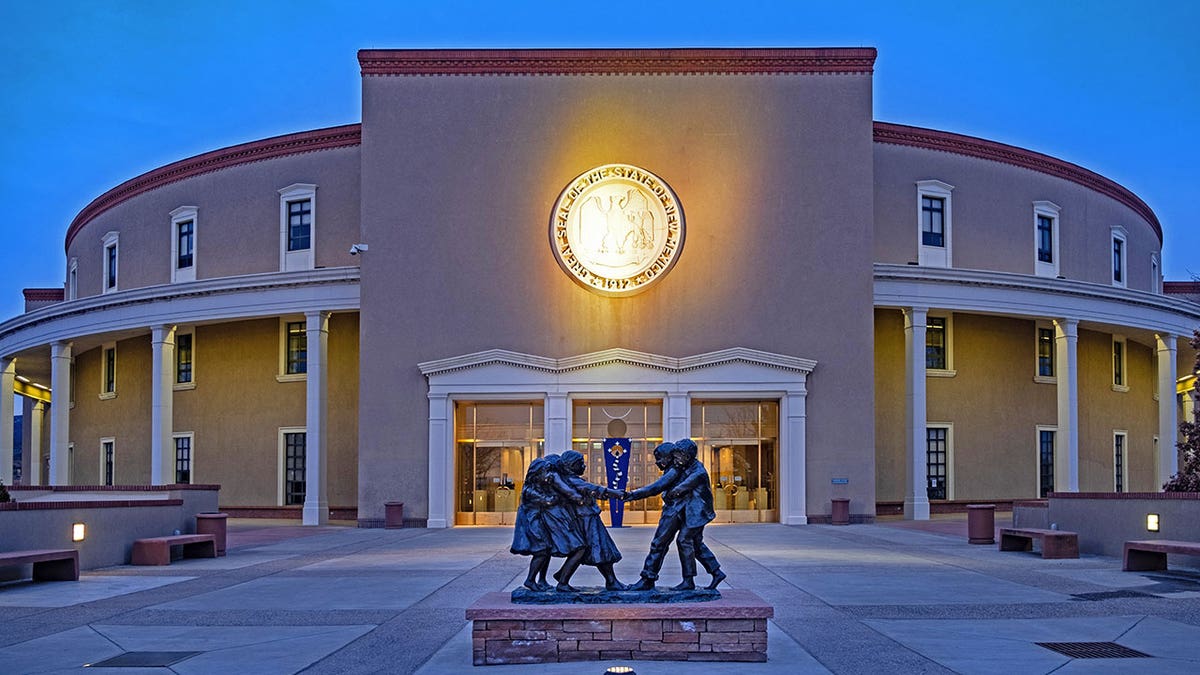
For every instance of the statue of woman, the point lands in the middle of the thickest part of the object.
(599, 549)
(545, 526)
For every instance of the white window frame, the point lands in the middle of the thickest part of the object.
(297, 260)
(1124, 434)
(949, 427)
(175, 383)
(949, 370)
(112, 240)
(283, 375)
(182, 215)
(1122, 235)
(191, 436)
(1053, 211)
(73, 279)
(108, 439)
(106, 394)
(1037, 376)
(282, 456)
(1037, 458)
(1124, 386)
(935, 256)
(1155, 275)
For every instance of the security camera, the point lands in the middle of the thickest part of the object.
(358, 248)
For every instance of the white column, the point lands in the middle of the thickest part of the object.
(316, 499)
(441, 463)
(60, 412)
(793, 460)
(162, 405)
(558, 428)
(1066, 439)
(916, 499)
(679, 417)
(33, 458)
(1168, 425)
(8, 382)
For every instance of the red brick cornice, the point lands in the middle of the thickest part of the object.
(1181, 287)
(931, 139)
(614, 61)
(43, 294)
(254, 151)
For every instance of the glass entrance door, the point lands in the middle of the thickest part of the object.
(739, 443)
(495, 443)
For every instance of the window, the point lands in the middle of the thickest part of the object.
(933, 223)
(1155, 275)
(183, 244)
(936, 452)
(1046, 238)
(107, 461)
(1118, 256)
(183, 358)
(297, 348)
(1045, 462)
(108, 371)
(294, 454)
(939, 361)
(110, 262)
(183, 458)
(297, 226)
(73, 279)
(1045, 353)
(1119, 440)
(1119, 376)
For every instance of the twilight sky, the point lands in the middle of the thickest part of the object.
(95, 93)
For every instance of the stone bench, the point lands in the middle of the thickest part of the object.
(1143, 556)
(733, 628)
(1055, 543)
(157, 550)
(48, 564)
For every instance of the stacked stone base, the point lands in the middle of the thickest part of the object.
(733, 628)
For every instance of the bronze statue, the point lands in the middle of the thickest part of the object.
(687, 508)
(545, 525)
(598, 549)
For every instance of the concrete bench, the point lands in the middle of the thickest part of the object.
(1055, 543)
(157, 550)
(1143, 556)
(48, 565)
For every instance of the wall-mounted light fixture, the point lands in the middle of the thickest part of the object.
(1152, 522)
(78, 532)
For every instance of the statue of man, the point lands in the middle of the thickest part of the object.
(694, 490)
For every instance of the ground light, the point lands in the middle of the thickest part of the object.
(619, 670)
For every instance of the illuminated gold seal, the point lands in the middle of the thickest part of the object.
(616, 229)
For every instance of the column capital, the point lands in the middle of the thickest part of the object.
(1166, 341)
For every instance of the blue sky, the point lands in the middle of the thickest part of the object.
(94, 93)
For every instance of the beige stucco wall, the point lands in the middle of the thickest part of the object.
(995, 406)
(235, 411)
(992, 217)
(459, 178)
(237, 222)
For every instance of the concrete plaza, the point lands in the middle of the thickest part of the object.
(895, 597)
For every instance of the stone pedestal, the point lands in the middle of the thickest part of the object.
(733, 628)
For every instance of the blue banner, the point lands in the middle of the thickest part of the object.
(616, 466)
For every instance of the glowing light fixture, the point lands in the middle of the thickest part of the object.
(78, 532)
(1152, 522)
(619, 670)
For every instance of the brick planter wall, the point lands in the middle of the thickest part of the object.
(733, 628)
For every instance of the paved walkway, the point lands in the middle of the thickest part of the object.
(892, 597)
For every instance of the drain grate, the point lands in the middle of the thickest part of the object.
(1112, 595)
(1093, 650)
(143, 660)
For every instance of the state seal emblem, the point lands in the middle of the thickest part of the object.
(616, 229)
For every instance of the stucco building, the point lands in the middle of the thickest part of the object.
(552, 248)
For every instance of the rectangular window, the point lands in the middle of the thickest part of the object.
(1045, 462)
(935, 343)
(293, 467)
(935, 462)
(1119, 439)
(297, 348)
(299, 224)
(107, 453)
(110, 268)
(183, 358)
(73, 279)
(1045, 352)
(183, 459)
(1118, 359)
(109, 376)
(185, 233)
(1045, 233)
(933, 222)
